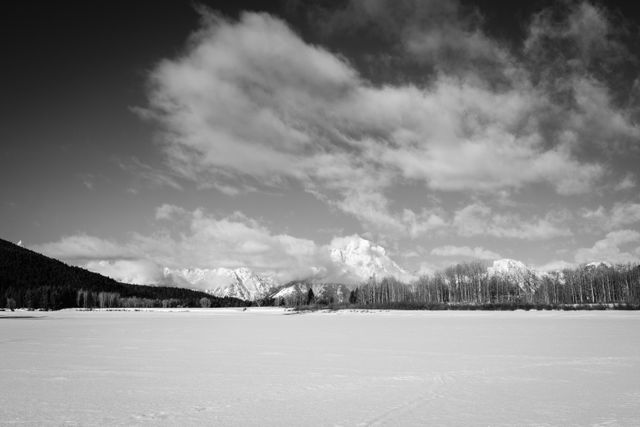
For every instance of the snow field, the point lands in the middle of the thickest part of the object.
(271, 367)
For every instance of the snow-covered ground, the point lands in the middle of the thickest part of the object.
(265, 367)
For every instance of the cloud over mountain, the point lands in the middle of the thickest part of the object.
(203, 250)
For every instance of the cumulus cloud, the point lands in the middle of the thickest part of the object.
(249, 100)
(610, 249)
(465, 251)
(479, 219)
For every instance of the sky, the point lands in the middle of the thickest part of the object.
(142, 135)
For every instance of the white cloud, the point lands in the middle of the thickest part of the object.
(232, 241)
(594, 214)
(140, 271)
(250, 100)
(624, 214)
(610, 248)
(626, 183)
(465, 251)
(479, 219)
(424, 222)
(168, 211)
(621, 214)
(373, 208)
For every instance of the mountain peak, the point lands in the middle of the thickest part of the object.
(516, 271)
(361, 259)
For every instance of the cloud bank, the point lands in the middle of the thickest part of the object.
(196, 239)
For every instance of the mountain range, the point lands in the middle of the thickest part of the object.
(223, 282)
(355, 260)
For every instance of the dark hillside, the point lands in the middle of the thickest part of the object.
(32, 280)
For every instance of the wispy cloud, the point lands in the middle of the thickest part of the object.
(82, 247)
(479, 219)
(148, 174)
(88, 180)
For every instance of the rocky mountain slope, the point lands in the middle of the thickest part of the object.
(515, 271)
(223, 282)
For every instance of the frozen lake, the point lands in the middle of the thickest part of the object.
(265, 367)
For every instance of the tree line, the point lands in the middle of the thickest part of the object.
(469, 285)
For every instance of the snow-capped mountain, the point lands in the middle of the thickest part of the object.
(353, 260)
(350, 260)
(360, 260)
(223, 282)
(516, 271)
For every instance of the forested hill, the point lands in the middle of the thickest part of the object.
(29, 279)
